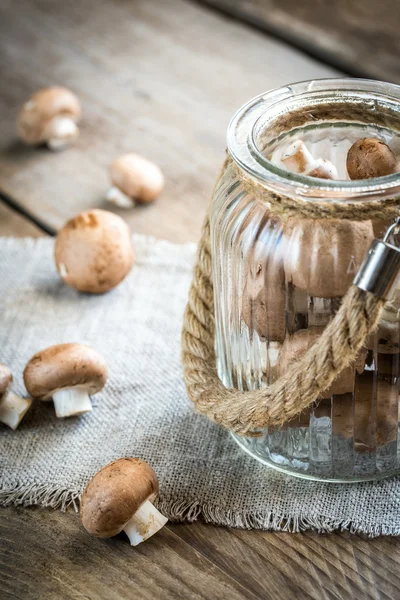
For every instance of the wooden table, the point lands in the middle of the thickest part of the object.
(161, 78)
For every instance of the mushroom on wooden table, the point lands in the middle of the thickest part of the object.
(134, 179)
(50, 116)
(12, 407)
(119, 498)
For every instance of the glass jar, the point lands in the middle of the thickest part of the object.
(279, 278)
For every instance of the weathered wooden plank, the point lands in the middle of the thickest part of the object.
(359, 37)
(13, 224)
(46, 554)
(162, 78)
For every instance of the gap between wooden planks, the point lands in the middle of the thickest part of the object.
(162, 78)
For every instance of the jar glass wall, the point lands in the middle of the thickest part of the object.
(279, 278)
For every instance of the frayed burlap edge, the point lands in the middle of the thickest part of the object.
(49, 496)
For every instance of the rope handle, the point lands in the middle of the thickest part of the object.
(305, 380)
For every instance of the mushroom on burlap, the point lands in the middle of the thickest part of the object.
(119, 498)
(12, 407)
(68, 374)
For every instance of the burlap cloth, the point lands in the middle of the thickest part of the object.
(143, 410)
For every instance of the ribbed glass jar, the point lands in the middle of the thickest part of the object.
(279, 279)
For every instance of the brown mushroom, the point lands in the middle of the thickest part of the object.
(94, 251)
(119, 498)
(68, 374)
(50, 117)
(12, 407)
(263, 302)
(134, 179)
(370, 157)
(323, 255)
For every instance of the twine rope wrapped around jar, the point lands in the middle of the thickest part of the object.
(337, 347)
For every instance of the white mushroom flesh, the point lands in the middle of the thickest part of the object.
(60, 132)
(115, 196)
(324, 169)
(297, 158)
(13, 409)
(146, 521)
(71, 401)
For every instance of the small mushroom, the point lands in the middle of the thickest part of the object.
(50, 117)
(263, 302)
(12, 407)
(323, 255)
(297, 158)
(119, 498)
(370, 157)
(134, 179)
(68, 374)
(323, 169)
(94, 251)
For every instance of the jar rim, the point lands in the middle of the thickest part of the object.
(242, 145)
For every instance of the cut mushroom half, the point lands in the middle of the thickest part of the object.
(12, 407)
(50, 117)
(134, 179)
(67, 373)
(120, 498)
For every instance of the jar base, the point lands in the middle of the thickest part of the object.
(302, 469)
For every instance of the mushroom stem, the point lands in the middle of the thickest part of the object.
(146, 521)
(60, 131)
(13, 409)
(71, 401)
(118, 198)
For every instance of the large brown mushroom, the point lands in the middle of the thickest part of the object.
(50, 116)
(12, 407)
(119, 498)
(94, 251)
(68, 374)
(370, 157)
(134, 179)
(323, 255)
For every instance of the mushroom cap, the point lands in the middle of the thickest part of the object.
(137, 177)
(323, 255)
(370, 157)
(64, 366)
(5, 379)
(114, 494)
(94, 251)
(42, 107)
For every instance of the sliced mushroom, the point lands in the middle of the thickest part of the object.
(119, 498)
(134, 179)
(94, 251)
(12, 407)
(50, 117)
(68, 374)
